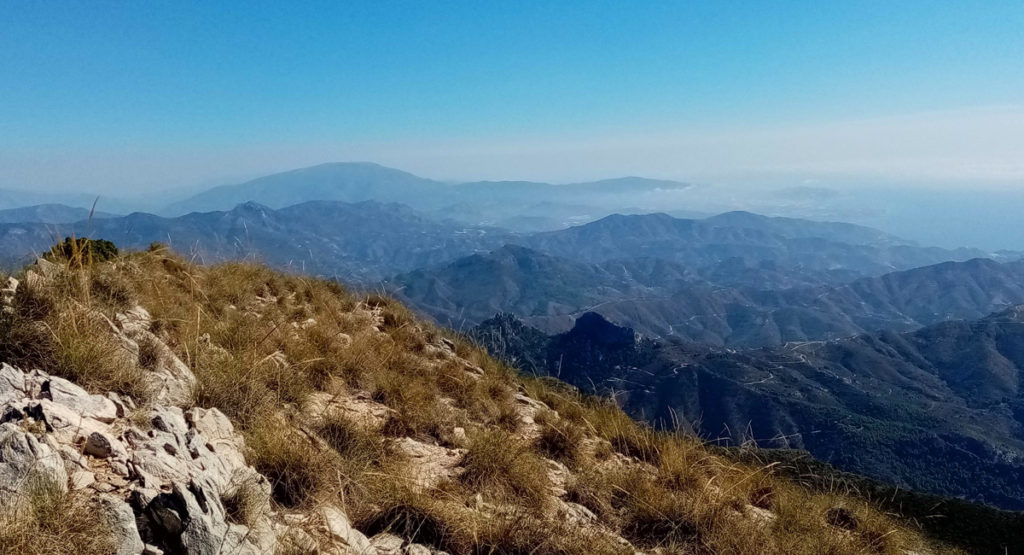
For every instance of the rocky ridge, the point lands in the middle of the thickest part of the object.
(166, 478)
(171, 474)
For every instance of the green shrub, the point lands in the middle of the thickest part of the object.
(83, 250)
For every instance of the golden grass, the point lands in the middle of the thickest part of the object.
(245, 503)
(438, 519)
(562, 441)
(260, 343)
(299, 472)
(501, 465)
(54, 328)
(49, 521)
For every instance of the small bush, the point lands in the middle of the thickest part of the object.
(82, 251)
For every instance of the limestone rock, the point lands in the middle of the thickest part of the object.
(8, 291)
(296, 540)
(134, 320)
(46, 268)
(387, 544)
(66, 425)
(417, 549)
(121, 520)
(103, 446)
(81, 479)
(339, 527)
(65, 393)
(170, 379)
(191, 519)
(430, 464)
(12, 384)
(72, 457)
(26, 462)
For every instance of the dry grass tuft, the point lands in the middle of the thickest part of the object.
(62, 329)
(299, 472)
(500, 464)
(245, 503)
(415, 516)
(562, 441)
(440, 520)
(48, 521)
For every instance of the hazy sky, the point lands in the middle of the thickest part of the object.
(151, 94)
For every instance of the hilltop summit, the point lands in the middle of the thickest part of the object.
(171, 407)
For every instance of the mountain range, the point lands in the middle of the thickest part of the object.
(370, 240)
(879, 355)
(938, 409)
(659, 298)
(359, 242)
(49, 214)
(519, 205)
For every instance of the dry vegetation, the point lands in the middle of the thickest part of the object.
(275, 352)
(50, 521)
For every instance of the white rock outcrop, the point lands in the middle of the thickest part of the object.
(162, 483)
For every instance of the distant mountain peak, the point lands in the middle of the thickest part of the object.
(635, 184)
(49, 213)
(597, 329)
(251, 205)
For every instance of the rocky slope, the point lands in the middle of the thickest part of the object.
(235, 410)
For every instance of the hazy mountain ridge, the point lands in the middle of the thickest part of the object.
(726, 280)
(49, 214)
(661, 298)
(745, 317)
(345, 182)
(527, 205)
(359, 242)
(810, 246)
(12, 198)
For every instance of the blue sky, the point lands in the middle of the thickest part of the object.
(154, 94)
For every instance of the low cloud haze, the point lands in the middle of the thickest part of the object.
(957, 149)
